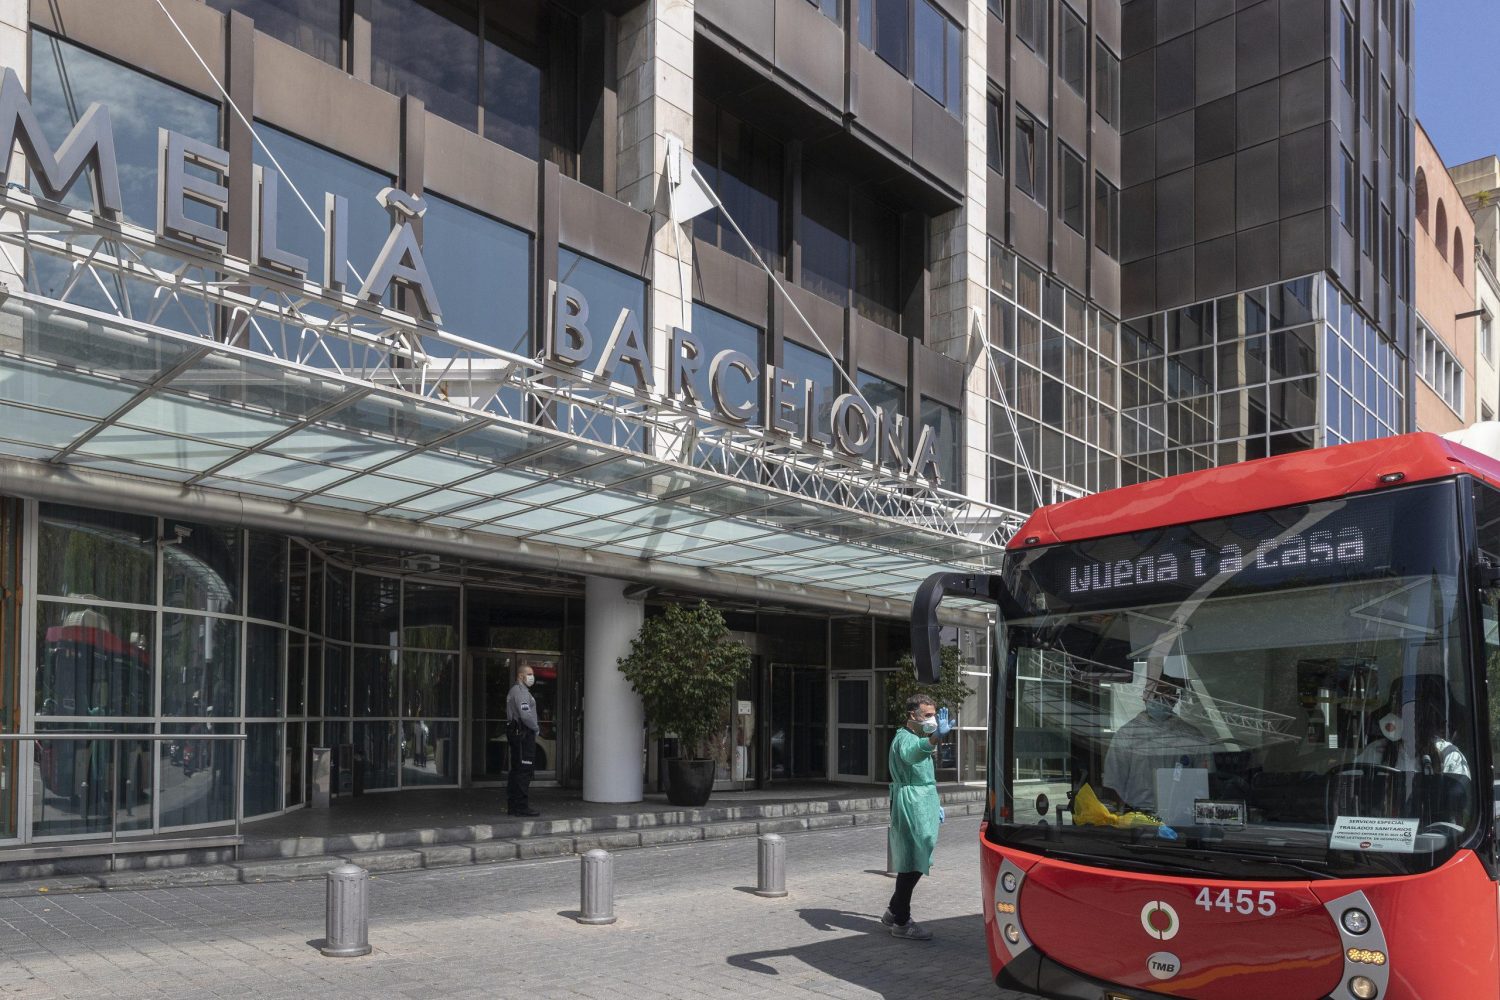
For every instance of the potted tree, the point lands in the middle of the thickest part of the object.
(684, 666)
(950, 690)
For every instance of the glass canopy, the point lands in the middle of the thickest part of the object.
(83, 389)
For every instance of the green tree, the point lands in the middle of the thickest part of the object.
(950, 690)
(684, 666)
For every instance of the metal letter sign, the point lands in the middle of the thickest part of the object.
(728, 386)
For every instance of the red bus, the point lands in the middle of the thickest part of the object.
(1243, 722)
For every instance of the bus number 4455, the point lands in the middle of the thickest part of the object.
(1246, 901)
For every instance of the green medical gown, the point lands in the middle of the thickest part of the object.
(914, 803)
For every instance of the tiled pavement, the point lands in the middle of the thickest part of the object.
(687, 930)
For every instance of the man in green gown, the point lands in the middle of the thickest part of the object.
(915, 810)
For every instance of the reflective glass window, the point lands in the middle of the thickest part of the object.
(718, 332)
(802, 363)
(94, 660)
(608, 291)
(481, 270)
(101, 555)
(430, 50)
(377, 743)
(1106, 217)
(892, 31)
(1073, 50)
(266, 585)
(1070, 189)
(530, 70)
(994, 126)
(377, 609)
(429, 684)
(877, 262)
(1106, 83)
(197, 777)
(1031, 157)
(1031, 25)
(263, 758)
(375, 682)
(743, 165)
(429, 616)
(200, 659)
(882, 394)
(65, 81)
(825, 232)
(314, 26)
(201, 567)
(264, 653)
(944, 421)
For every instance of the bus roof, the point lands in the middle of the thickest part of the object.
(1262, 484)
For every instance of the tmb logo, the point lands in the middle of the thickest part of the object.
(1163, 965)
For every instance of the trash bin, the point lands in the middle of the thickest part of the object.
(320, 774)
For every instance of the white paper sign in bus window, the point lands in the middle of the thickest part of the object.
(1374, 833)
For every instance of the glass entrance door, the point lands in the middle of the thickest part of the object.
(494, 672)
(10, 659)
(852, 726)
(799, 722)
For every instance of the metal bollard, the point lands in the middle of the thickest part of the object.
(771, 874)
(596, 888)
(348, 921)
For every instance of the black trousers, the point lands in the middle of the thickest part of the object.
(901, 899)
(522, 767)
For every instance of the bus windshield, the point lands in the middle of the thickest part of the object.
(1283, 694)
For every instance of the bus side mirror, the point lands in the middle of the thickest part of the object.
(926, 633)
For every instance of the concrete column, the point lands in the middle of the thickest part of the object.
(655, 102)
(960, 260)
(612, 714)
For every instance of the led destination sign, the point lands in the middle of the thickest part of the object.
(1308, 545)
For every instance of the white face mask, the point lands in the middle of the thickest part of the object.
(1391, 727)
(529, 680)
(929, 726)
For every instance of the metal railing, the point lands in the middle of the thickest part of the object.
(114, 845)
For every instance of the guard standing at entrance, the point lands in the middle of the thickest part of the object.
(521, 728)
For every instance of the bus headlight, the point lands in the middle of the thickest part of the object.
(1364, 989)
(1356, 921)
(1013, 935)
(1008, 881)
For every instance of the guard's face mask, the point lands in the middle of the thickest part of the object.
(530, 679)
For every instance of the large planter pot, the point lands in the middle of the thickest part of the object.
(689, 782)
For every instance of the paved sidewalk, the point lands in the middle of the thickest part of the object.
(687, 929)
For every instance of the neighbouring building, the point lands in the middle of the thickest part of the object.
(1479, 183)
(1267, 225)
(1444, 353)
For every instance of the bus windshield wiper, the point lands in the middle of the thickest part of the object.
(1303, 867)
(1137, 864)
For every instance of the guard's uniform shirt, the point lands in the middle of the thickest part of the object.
(520, 707)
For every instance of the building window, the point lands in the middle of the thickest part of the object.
(997, 7)
(1346, 49)
(1403, 144)
(1031, 157)
(994, 139)
(1387, 123)
(1421, 197)
(939, 56)
(919, 41)
(851, 246)
(1403, 267)
(1437, 366)
(1106, 83)
(1387, 243)
(314, 26)
(1074, 50)
(1486, 337)
(718, 332)
(1070, 188)
(1367, 84)
(830, 8)
(1031, 26)
(1367, 222)
(744, 166)
(1346, 193)
(1106, 217)
(481, 270)
(944, 422)
(510, 75)
(812, 365)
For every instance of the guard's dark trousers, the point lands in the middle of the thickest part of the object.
(522, 767)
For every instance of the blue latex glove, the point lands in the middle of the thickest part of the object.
(941, 815)
(945, 726)
(1165, 833)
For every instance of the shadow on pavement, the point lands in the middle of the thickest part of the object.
(861, 952)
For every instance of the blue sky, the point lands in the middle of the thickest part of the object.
(1458, 87)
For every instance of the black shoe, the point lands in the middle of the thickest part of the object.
(524, 812)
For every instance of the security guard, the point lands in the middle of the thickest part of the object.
(521, 727)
